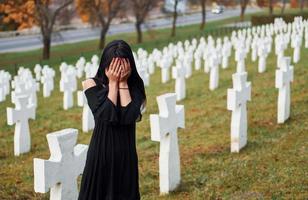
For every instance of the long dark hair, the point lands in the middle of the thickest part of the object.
(119, 48)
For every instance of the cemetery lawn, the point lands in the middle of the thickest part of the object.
(273, 165)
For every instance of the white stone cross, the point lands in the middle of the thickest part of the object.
(236, 102)
(20, 90)
(197, 56)
(297, 41)
(214, 72)
(33, 87)
(178, 73)
(262, 53)
(164, 130)
(187, 64)
(69, 85)
(80, 66)
(20, 115)
(142, 71)
(240, 56)
(87, 116)
(37, 71)
(66, 163)
(47, 80)
(165, 74)
(254, 49)
(284, 76)
(226, 52)
(5, 78)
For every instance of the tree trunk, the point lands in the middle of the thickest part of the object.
(283, 6)
(302, 5)
(175, 15)
(46, 47)
(270, 7)
(203, 14)
(243, 8)
(103, 38)
(139, 31)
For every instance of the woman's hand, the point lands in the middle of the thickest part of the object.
(125, 70)
(113, 72)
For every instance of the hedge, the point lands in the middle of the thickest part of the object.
(257, 20)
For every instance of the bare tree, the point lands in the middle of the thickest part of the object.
(141, 9)
(103, 12)
(46, 16)
(283, 7)
(302, 5)
(243, 8)
(270, 6)
(175, 15)
(203, 6)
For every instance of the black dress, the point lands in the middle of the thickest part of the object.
(111, 169)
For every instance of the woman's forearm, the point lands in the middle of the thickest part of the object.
(125, 97)
(113, 92)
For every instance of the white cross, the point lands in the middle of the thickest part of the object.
(236, 102)
(284, 76)
(214, 72)
(47, 80)
(262, 52)
(178, 73)
(87, 116)
(20, 115)
(240, 56)
(164, 130)
(66, 163)
(142, 71)
(20, 90)
(296, 45)
(165, 70)
(69, 85)
(37, 70)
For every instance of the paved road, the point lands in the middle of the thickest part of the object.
(24, 43)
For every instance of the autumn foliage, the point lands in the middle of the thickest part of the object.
(18, 13)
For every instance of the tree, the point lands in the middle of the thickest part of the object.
(175, 15)
(283, 7)
(302, 3)
(243, 8)
(141, 9)
(46, 15)
(270, 6)
(17, 14)
(99, 12)
(203, 5)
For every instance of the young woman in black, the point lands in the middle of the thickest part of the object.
(116, 97)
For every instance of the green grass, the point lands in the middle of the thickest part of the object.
(273, 165)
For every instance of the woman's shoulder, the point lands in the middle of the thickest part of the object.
(88, 83)
(92, 82)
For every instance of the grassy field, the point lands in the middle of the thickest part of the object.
(274, 165)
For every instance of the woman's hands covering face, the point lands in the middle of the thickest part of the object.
(125, 70)
(113, 72)
(119, 70)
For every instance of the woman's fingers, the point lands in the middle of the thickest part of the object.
(120, 67)
(111, 64)
(107, 69)
(115, 64)
(116, 67)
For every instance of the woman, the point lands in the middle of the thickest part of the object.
(116, 97)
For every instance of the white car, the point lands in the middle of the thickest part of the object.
(217, 10)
